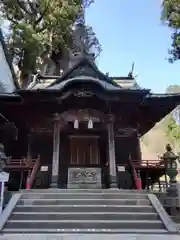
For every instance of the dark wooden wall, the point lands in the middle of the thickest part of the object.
(42, 144)
(125, 146)
(17, 148)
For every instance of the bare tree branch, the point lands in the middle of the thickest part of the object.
(22, 6)
(31, 4)
(12, 20)
(42, 15)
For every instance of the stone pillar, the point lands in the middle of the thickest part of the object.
(55, 160)
(112, 158)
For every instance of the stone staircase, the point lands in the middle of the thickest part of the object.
(85, 211)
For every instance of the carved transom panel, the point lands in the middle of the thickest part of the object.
(82, 94)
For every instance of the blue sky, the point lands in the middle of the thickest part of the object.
(130, 31)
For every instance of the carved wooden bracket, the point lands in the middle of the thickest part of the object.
(125, 132)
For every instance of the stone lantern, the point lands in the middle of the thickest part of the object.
(172, 172)
(172, 168)
(173, 191)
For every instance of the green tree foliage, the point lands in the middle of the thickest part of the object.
(171, 16)
(170, 126)
(40, 27)
(172, 130)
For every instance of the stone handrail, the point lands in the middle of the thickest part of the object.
(169, 224)
(8, 210)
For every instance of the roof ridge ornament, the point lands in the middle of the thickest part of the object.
(130, 74)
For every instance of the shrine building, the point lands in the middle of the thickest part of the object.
(78, 130)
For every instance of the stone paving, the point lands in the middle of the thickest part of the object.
(89, 237)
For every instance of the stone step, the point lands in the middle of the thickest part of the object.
(80, 190)
(83, 216)
(84, 231)
(80, 195)
(73, 201)
(84, 208)
(84, 211)
(85, 224)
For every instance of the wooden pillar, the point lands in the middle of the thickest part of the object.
(29, 154)
(139, 153)
(112, 158)
(55, 160)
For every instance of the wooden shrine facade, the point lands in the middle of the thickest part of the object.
(84, 126)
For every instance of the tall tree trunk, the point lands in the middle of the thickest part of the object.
(27, 67)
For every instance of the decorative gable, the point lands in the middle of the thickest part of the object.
(86, 68)
(84, 71)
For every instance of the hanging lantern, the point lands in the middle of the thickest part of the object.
(76, 124)
(90, 124)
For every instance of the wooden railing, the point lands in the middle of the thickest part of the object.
(32, 174)
(144, 165)
(21, 163)
(148, 163)
(137, 181)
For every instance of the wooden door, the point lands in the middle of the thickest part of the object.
(84, 151)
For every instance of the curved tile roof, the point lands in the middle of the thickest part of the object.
(103, 84)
